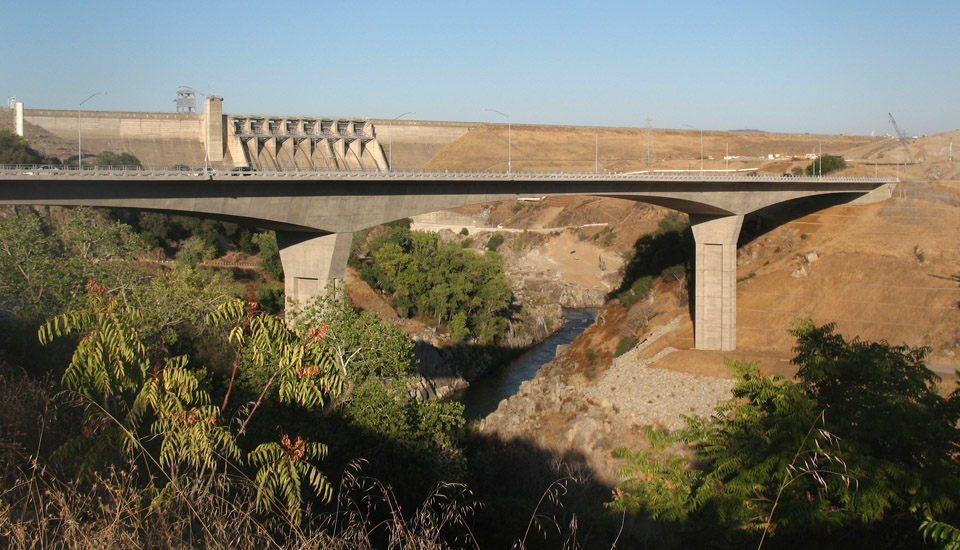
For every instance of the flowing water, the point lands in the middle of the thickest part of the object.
(485, 393)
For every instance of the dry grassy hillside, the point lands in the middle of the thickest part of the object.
(625, 149)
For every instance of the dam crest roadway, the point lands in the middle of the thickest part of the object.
(316, 212)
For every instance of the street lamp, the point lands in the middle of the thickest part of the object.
(79, 133)
(509, 146)
(390, 126)
(701, 146)
(206, 132)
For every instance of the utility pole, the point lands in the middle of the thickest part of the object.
(650, 151)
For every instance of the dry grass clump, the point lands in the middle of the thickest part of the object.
(115, 513)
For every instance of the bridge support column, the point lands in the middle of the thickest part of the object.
(715, 295)
(310, 262)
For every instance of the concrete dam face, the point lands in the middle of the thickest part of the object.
(225, 141)
(281, 143)
(261, 142)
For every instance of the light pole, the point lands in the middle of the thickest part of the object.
(79, 133)
(701, 146)
(509, 144)
(390, 126)
(206, 136)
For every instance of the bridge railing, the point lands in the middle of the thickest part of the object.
(211, 173)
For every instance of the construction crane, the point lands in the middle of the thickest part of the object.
(903, 139)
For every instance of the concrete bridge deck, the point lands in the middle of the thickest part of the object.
(315, 213)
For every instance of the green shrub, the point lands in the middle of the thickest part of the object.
(14, 150)
(625, 344)
(424, 278)
(637, 291)
(825, 165)
(494, 243)
(674, 221)
(271, 297)
(109, 158)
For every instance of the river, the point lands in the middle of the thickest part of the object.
(485, 393)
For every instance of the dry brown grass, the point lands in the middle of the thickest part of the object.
(573, 148)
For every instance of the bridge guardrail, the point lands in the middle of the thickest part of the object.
(210, 174)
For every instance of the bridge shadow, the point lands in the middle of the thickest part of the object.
(552, 497)
(447, 365)
(668, 252)
(765, 220)
(515, 486)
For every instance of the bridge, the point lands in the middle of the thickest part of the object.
(315, 213)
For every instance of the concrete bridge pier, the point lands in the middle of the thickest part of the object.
(715, 293)
(311, 261)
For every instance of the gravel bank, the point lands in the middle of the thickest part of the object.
(643, 395)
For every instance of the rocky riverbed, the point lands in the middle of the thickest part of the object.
(567, 413)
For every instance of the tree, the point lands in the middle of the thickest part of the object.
(34, 283)
(757, 449)
(375, 360)
(173, 306)
(44, 267)
(109, 158)
(127, 384)
(862, 441)
(494, 243)
(193, 251)
(362, 344)
(825, 165)
(433, 281)
(269, 252)
(14, 150)
(898, 429)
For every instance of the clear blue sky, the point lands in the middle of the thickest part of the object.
(813, 66)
